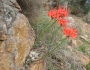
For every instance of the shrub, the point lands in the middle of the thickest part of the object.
(87, 18)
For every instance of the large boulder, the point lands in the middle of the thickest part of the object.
(16, 36)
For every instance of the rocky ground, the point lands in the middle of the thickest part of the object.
(74, 55)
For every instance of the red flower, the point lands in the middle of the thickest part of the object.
(62, 21)
(58, 13)
(70, 32)
(52, 13)
(62, 12)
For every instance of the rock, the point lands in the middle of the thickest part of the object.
(2, 46)
(69, 47)
(84, 68)
(85, 38)
(6, 62)
(38, 65)
(2, 36)
(21, 42)
(77, 43)
(83, 58)
(16, 38)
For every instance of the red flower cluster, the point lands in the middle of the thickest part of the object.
(62, 12)
(62, 21)
(70, 32)
(60, 15)
(53, 13)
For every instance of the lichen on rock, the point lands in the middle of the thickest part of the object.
(16, 36)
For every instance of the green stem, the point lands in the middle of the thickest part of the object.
(56, 31)
(45, 31)
(46, 25)
(55, 47)
(53, 35)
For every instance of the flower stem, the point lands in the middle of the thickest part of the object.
(61, 42)
(54, 33)
(45, 31)
(46, 25)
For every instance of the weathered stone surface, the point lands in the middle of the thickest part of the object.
(83, 58)
(6, 62)
(2, 35)
(77, 43)
(38, 65)
(2, 46)
(16, 36)
(21, 42)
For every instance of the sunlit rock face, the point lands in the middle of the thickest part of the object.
(16, 36)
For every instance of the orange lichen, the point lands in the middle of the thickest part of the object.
(21, 54)
(11, 46)
(4, 68)
(21, 31)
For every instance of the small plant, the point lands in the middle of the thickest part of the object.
(88, 66)
(83, 48)
(59, 15)
(73, 66)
